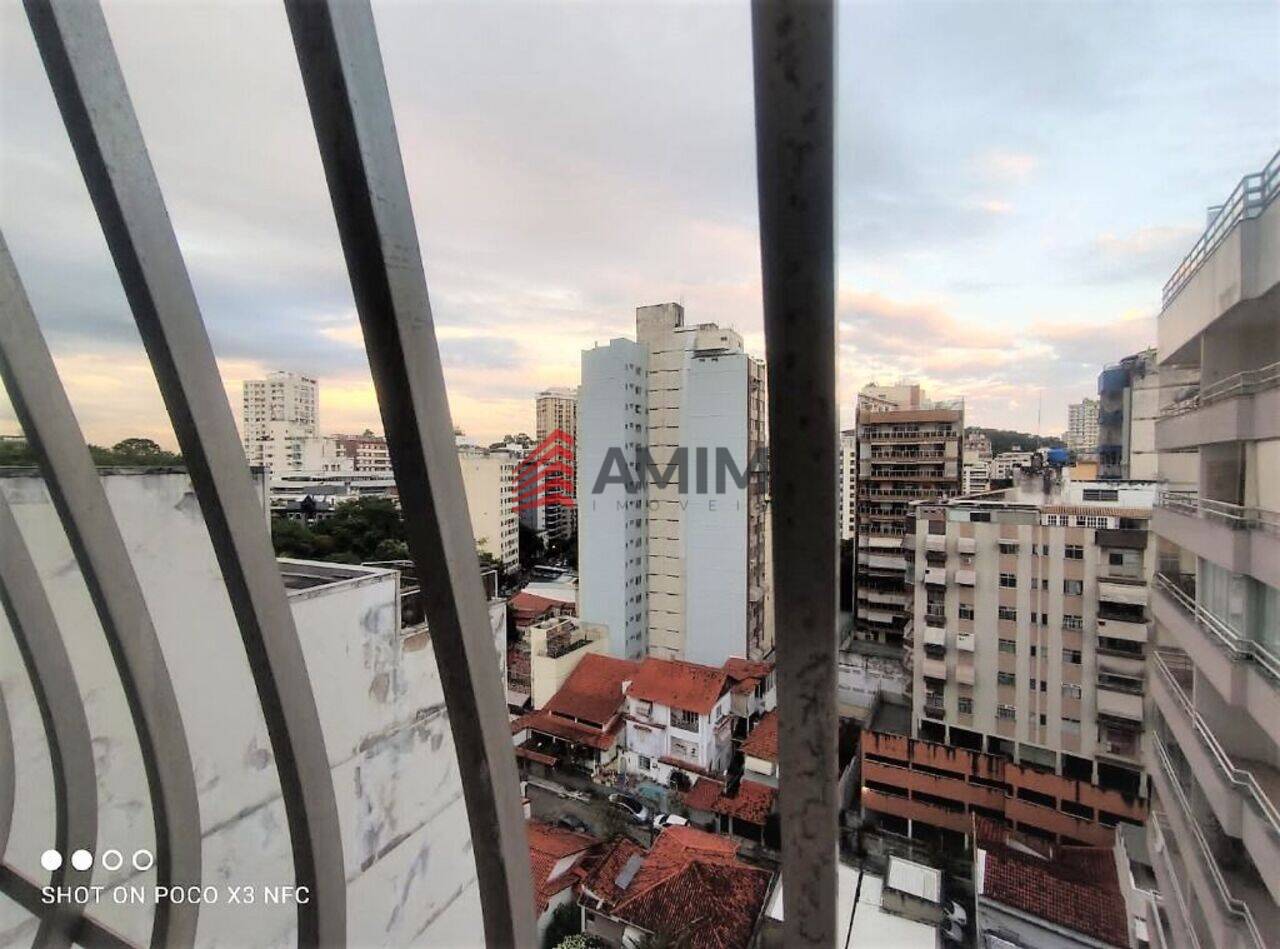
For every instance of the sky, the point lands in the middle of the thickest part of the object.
(1015, 183)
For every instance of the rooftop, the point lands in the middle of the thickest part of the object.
(679, 684)
(762, 743)
(593, 691)
(548, 847)
(751, 802)
(1074, 887)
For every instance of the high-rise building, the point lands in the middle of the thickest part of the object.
(909, 449)
(673, 561)
(368, 452)
(977, 446)
(1027, 661)
(1082, 426)
(1130, 394)
(556, 410)
(280, 422)
(1214, 754)
(976, 477)
(848, 484)
(489, 478)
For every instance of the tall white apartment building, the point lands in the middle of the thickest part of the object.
(1082, 426)
(975, 477)
(279, 415)
(1214, 757)
(556, 409)
(490, 482)
(673, 563)
(848, 481)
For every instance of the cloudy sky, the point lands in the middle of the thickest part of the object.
(1016, 181)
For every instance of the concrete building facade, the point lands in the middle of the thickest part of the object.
(848, 484)
(490, 482)
(1082, 426)
(555, 409)
(279, 422)
(1130, 395)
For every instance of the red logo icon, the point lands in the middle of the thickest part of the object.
(546, 475)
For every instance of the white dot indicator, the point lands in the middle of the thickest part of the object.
(143, 860)
(111, 859)
(82, 860)
(51, 860)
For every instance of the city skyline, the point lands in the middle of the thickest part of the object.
(561, 181)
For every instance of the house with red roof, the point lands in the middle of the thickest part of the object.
(559, 859)
(753, 692)
(1030, 892)
(580, 728)
(760, 750)
(738, 807)
(678, 721)
(690, 888)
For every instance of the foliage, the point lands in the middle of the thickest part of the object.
(1003, 440)
(566, 921)
(613, 822)
(127, 453)
(531, 546)
(582, 941)
(659, 941)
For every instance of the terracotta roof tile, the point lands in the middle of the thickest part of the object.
(593, 690)
(678, 684)
(739, 669)
(763, 741)
(548, 846)
(1075, 887)
(752, 803)
(558, 727)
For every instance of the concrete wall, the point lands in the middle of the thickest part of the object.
(411, 876)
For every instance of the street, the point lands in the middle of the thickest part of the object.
(548, 806)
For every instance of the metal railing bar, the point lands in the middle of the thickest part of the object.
(794, 66)
(1245, 382)
(91, 93)
(1237, 645)
(341, 63)
(29, 895)
(66, 727)
(8, 775)
(43, 410)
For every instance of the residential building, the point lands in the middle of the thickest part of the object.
(1045, 896)
(760, 751)
(736, 807)
(848, 485)
(977, 446)
(678, 718)
(1082, 426)
(1214, 756)
(368, 452)
(908, 449)
(691, 889)
(1005, 465)
(975, 477)
(672, 493)
(1131, 394)
(556, 410)
(559, 859)
(490, 482)
(377, 690)
(556, 646)
(280, 424)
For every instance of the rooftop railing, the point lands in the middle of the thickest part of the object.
(1248, 200)
(1246, 382)
(1235, 516)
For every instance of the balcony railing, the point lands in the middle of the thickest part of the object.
(1236, 908)
(1235, 516)
(1174, 669)
(1239, 647)
(1249, 199)
(1242, 383)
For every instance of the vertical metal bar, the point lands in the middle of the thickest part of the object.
(346, 87)
(90, 88)
(75, 780)
(45, 414)
(8, 776)
(794, 53)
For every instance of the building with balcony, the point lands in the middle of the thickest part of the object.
(489, 479)
(909, 449)
(1214, 756)
(848, 484)
(555, 410)
(1082, 426)
(678, 718)
(1130, 394)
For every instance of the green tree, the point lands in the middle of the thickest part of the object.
(566, 921)
(359, 527)
(531, 546)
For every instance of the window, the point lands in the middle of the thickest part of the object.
(644, 762)
(966, 611)
(1071, 621)
(964, 705)
(1008, 547)
(1071, 656)
(1101, 494)
(685, 721)
(1073, 587)
(1006, 678)
(1008, 645)
(1008, 579)
(1007, 712)
(1070, 726)
(1074, 552)
(1115, 559)
(982, 517)
(1070, 690)
(1007, 612)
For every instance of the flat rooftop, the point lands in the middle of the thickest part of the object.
(300, 575)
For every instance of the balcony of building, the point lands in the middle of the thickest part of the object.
(1169, 921)
(1242, 405)
(1242, 792)
(1242, 670)
(1241, 539)
(1228, 904)
(1231, 269)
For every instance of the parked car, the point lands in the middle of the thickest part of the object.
(669, 820)
(632, 807)
(575, 824)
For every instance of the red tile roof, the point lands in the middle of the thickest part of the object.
(763, 741)
(678, 684)
(739, 669)
(745, 686)
(1075, 887)
(752, 803)
(548, 845)
(691, 886)
(593, 690)
(569, 730)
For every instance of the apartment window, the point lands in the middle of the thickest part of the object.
(685, 721)
(964, 705)
(1071, 726)
(1071, 690)
(1007, 612)
(1073, 587)
(1008, 645)
(1074, 552)
(1008, 547)
(644, 762)
(1007, 712)
(1008, 579)
(966, 611)
(1006, 678)
(1044, 719)
(1101, 494)
(1071, 656)
(1071, 621)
